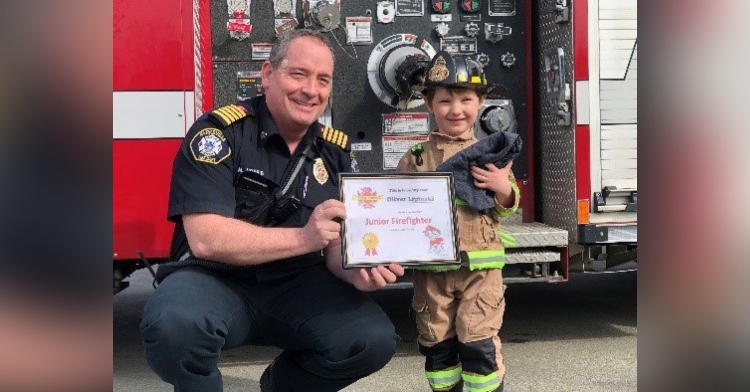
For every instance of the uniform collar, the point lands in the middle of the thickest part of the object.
(442, 140)
(267, 127)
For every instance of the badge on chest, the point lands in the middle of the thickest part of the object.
(319, 171)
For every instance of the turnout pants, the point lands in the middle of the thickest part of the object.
(459, 314)
(331, 333)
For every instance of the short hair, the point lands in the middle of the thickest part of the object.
(281, 46)
(429, 93)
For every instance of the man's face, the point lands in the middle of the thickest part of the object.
(455, 112)
(297, 91)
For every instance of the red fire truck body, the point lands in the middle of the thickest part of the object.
(571, 70)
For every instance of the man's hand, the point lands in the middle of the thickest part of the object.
(371, 279)
(364, 279)
(323, 226)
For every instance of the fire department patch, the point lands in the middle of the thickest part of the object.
(210, 145)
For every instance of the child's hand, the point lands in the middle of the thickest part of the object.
(494, 179)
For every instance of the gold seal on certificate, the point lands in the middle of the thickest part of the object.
(408, 219)
(370, 242)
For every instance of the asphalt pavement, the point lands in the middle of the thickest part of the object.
(575, 336)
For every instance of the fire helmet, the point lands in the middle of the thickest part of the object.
(445, 71)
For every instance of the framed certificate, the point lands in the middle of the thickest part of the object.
(408, 219)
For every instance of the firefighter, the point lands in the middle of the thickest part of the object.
(256, 249)
(459, 309)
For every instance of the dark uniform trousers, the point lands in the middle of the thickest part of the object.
(331, 333)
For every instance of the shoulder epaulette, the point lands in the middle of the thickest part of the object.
(336, 137)
(229, 114)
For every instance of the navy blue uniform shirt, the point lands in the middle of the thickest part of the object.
(212, 157)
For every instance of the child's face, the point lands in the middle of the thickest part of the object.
(456, 111)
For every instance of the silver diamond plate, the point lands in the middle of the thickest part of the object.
(623, 234)
(515, 218)
(558, 198)
(510, 280)
(519, 257)
(529, 235)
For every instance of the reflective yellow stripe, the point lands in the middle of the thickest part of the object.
(486, 259)
(480, 259)
(444, 379)
(484, 266)
(503, 212)
(508, 239)
(476, 383)
(485, 254)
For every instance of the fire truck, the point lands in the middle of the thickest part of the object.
(568, 68)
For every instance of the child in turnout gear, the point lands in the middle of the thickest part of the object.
(459, 308)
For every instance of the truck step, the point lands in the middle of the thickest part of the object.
(532, 235)
(515, 256)
(532, 272)
(547, 279)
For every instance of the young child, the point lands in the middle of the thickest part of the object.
(460, 309)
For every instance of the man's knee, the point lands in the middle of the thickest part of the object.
(381, 342)
(370, 346)
(171, 335)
